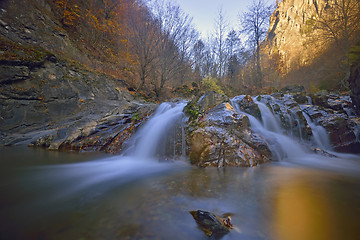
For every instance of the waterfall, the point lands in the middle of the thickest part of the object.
(295, 150)
(153, 138)
(268, 118)
(320, 136)
(139, 160)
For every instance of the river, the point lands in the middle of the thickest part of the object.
(41, 198)
(66, 195)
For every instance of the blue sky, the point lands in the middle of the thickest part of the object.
(204, 12)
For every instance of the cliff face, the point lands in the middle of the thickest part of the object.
(304, 51)
(286, 35)
(44, 85)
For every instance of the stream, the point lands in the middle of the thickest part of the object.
(65, 195)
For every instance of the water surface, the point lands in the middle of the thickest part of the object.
(55, 195)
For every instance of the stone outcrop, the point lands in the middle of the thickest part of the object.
(106, 133)
(221, 137)
(53, 94)
(300, 48)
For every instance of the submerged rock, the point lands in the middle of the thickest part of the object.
(212, 225)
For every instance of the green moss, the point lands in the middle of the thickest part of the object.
(12, 51)
(193, 110)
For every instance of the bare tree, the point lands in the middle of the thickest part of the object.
(220, 31)
(339, 22)
(233, 48)
(143, 41)
(198, 58)
(177, 36)
(254, 23)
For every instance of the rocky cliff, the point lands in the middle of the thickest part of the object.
(287, 32)
(303, 48)
(49, 94)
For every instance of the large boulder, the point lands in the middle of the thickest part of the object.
(222, 137)
(294, 89)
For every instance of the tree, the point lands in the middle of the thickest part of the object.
(339, 22)
(143, 38)
(233, 49)
(198, 58)
(220, 30)
(254, 23)
(70, 12)
(233, 43)
(177, 37)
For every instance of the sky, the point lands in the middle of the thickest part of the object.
(204, 12)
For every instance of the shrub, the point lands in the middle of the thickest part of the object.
(211, 84)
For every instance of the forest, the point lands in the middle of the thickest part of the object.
(156, 48)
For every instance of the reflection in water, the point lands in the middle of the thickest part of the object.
(302, 214)
(276, 201)
(315, 208)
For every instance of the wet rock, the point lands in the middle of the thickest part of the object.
(108, 133)
(222, 137)
(340, 127)
(320, 99)
(212, 225)
(248, 105)
(300, 98)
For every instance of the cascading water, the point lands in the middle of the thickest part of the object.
(151, 139)
(282, 146)
(320, 136)
(287, 148)
(139, 160)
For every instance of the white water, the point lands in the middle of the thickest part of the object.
(138, 161)
(320, 135)
(148, 139)
(289, 149)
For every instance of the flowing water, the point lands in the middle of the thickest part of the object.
(55, 195)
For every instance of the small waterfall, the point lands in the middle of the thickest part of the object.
(281, 146)
(309, 101)
(139, 160)
(295, 150)
(320, 136)
(270, 122)
(155, 137)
